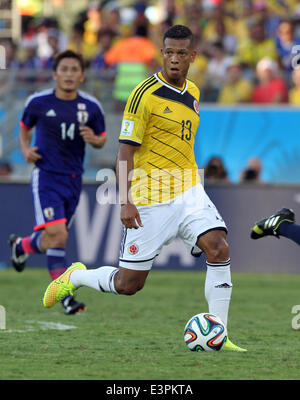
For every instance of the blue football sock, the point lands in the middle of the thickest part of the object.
(30, 244)
(35, 241)
(290, 231)
(56, 262)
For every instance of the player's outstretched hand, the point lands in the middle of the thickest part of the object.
(130, 216)
(31, 155)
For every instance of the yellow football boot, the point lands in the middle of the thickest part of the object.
(229, 346)
(61, 287)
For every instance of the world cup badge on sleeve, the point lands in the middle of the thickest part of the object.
(127, 128)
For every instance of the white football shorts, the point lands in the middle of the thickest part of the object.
(188, 217)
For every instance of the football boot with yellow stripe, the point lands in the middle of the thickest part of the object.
(270, 225)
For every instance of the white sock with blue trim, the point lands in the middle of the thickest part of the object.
(218, 288)
(101, 279)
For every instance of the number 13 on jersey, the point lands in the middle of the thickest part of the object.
(186, 125)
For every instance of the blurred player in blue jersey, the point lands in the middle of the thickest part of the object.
(65, 119)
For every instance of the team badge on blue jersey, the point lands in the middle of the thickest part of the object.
(49, 212)
(82, 117)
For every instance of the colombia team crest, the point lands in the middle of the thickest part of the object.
(133, 249)
(196, 106)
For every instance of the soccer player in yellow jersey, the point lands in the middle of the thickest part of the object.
(161, 194)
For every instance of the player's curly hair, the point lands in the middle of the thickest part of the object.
(179, 32)
(68, 54)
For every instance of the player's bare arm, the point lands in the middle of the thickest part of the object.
(130, 216)
(89, 136)
(30, 153)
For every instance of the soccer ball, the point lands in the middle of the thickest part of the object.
(205, 332)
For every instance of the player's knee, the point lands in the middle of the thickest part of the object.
(218, 251)
(57, 239)
(129, 289)
(129, 282)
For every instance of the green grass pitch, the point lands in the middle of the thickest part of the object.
(141, 337)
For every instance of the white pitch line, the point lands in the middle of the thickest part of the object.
(52, 325)
(42, 326)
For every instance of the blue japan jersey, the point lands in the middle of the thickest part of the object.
(57, 134)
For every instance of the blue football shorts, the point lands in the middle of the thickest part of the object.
(55, 197)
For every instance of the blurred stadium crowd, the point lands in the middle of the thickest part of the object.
(246, 49)
(247, 52)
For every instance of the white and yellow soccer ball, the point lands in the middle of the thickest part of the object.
(205, 332)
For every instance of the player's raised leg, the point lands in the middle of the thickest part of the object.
(106, 279)
(127, 279)
(111, 280)
(54, 239)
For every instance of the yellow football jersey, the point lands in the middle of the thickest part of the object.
(162, 121)
(294, 96)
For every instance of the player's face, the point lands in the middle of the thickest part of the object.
(177, 55)
(68, 75)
